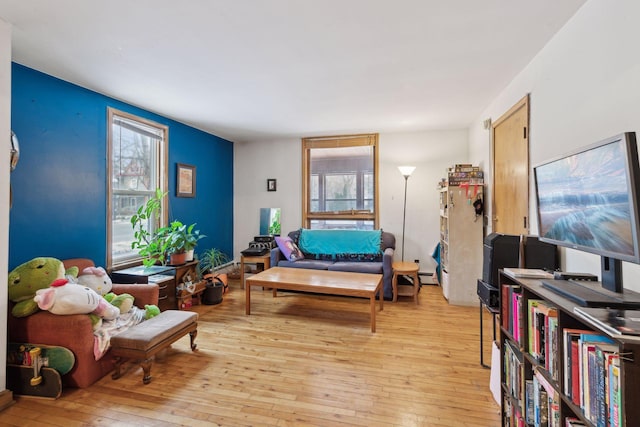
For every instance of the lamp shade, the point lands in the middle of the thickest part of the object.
(406, 170)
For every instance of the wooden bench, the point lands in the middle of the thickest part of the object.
(144, 340)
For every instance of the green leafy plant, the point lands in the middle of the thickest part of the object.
(274, 227)
(175, 238)
(180, 237)
(212, 259)
(192, 237)
(151, 246)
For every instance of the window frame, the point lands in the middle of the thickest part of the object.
(340, 141)
(161, 175)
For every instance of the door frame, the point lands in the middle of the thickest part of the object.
(523, 102)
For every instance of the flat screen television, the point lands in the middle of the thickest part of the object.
(588, 200)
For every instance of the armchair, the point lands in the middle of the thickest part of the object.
(75, 331)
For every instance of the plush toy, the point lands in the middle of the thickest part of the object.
(27, 278)
(95, 278)
(63, 297)
(124, 302)
(151, 311)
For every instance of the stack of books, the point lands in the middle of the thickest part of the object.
(527, 273)
(465, 174)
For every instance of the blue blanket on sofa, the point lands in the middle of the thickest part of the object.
(333, 242)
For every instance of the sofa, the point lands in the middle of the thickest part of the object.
(75, 331)
(341, 250)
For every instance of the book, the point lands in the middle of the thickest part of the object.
(532, 331)
(551, 361)
(549, 401)
(539, 314)
(615, 393)
(604, 353)
(529, 413)
(572, 343)
(587, 347)
(613, 321)
(527, 273)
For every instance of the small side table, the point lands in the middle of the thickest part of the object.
(260, 259)
(402, 268)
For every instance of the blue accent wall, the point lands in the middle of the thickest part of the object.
(59, 186)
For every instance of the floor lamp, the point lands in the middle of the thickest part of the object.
(406, 172)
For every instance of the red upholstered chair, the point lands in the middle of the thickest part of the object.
(75, 331)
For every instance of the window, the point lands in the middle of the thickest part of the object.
(137, 165)
(340, 185)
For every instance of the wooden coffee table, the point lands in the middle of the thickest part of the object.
(319, 281)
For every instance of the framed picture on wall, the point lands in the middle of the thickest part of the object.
(186, 180)
(271, 184)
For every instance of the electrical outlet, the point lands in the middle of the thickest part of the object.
(417, 261)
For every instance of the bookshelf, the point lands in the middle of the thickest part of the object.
(461, 234)
(557, 366)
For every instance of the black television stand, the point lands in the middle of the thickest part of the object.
(592, 294)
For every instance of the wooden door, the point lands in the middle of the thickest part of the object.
(511, 170)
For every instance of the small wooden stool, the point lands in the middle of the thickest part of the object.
(402, 268)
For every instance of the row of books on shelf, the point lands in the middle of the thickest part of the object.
(529, 402)
(461, 174)
(543, 332)
(511, 305)
(513, 371)
(592, 375)
(590, 365)
(536, 402)
(464, 167)
(543, 402)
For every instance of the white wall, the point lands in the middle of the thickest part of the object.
(431, 152)
(5, 129)
(584, 86)
(255, 162)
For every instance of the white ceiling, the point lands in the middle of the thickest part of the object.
(252, 70)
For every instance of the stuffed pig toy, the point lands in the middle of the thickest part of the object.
(63, 297)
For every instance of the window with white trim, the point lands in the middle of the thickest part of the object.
(137, 165)
(340, 182)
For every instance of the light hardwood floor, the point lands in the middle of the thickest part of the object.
(298, 360)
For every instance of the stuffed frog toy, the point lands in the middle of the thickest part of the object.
(31, 276)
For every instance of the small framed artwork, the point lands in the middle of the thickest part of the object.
(271, 184)
(186, 180)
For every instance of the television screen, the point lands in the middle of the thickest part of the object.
(587, 199)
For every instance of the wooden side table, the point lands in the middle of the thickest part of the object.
(168, 278)
(259, 259)
(403, 268)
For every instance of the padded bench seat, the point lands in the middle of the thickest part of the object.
(144, 340)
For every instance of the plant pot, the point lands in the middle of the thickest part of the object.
(213, 291)
(189, 255)
(178, 258)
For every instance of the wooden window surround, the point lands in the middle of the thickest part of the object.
(354, 207)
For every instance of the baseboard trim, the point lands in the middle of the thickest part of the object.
(6, 399)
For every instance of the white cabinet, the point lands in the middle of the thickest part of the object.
(461, 237)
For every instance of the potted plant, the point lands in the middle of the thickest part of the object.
(210, 261)
(175, 239)
(192, 238)
(151, 246)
